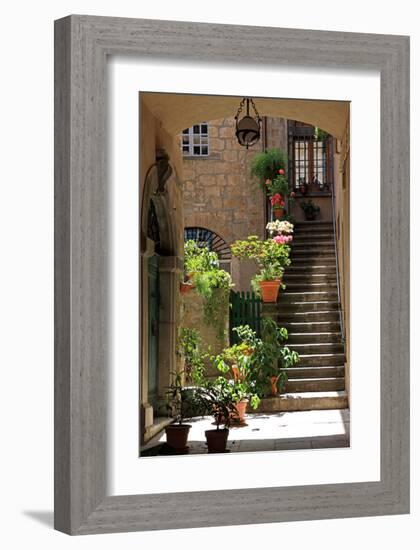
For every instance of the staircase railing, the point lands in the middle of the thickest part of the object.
(337, 274)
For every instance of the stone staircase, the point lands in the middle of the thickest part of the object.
(309, 309)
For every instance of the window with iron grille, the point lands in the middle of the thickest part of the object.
(195, 140)
(206, 238)
(310, 157)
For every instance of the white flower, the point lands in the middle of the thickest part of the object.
(280, 227)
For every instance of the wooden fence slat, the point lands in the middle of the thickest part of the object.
(245, 309)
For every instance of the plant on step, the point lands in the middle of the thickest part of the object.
(270, 356)
(189, 347)
(272, 256)
(266, 165)
(210, 282)
(278, 227)
(310, 210)
(268, 274)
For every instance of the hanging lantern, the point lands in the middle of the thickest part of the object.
(248, 128)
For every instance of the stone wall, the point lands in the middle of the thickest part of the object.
(219, 193)
(193, 317)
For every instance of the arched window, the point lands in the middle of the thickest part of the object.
(213, 241)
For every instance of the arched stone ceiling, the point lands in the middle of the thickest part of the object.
(179, 111)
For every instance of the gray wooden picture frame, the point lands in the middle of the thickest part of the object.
(82, 44)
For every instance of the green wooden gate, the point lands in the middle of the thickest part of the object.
(245, 309)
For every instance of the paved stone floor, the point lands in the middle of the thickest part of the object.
(271, 432)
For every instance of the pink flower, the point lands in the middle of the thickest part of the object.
(281, 172)
(282, 239)
(277, 199)
(268, 182)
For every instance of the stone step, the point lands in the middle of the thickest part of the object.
(304, 401)
(320, 269)
(312, 224)
(314, 385)
(309, 278)
(317, 348)
(314, 337)
(287, 306)
(321, 360)
(297, 244)
(311, 317)
(313, 261)
(315, 372)
(312, 253)
(310, 236)
(316, 296)
(310, 287)
(303, 327)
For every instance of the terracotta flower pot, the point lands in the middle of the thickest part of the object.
(273, 384)
(177, 436)
(278, 212)
(185, 287)
(239, 416)
(217, 440)
(270, 290)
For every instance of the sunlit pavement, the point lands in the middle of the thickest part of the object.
(273, 432)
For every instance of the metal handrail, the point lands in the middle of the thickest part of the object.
(340, 311)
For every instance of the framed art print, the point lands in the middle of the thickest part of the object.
(231, 275)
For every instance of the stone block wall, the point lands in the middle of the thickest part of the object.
(219, 193)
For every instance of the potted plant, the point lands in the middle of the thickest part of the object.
(215, 401)
(180, 404)
(271, 255)
(310, 210)
(277, 203)
(270, 357)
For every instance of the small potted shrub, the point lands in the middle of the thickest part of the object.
(216, 401)
(310, 210)
(181, 405)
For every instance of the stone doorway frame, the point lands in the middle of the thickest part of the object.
(170, 269)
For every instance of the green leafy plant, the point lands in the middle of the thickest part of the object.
(310, 209)
(182, 402)
(270, 355)
(266, 165)
(215, 399)
(198, 258)
(189, 347)
(321, 135)
(211, 282)
(270, 256)
(278, 185)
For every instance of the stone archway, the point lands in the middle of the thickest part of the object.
(161, 264)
